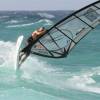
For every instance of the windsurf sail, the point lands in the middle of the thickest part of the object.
(59, 40)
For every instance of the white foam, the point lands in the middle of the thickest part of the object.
(45, 21)
(20, 25)
(84, 81)
(32, 67)
(1, 17)
(36, 70)
(39, 71)
(12, 21)
(83, 84)
(1, 61)
(7, 54)
(46, 15)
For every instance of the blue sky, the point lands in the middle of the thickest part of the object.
(43, 4)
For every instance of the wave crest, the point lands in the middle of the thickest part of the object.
(85, 81)
(46, 15)
(12, 22)
(44, 21)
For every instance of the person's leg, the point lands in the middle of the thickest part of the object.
(30, 40)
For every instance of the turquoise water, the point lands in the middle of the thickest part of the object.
(76, 77)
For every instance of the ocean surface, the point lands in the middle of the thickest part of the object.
(76, 77)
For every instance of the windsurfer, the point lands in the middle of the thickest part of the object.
(26, 51)
(36, 34)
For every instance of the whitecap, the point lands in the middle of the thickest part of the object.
(47, 22)
(12, 22)
(84, 81)
(1, 17)
(46, 15)
(44, 21)
(20, 25)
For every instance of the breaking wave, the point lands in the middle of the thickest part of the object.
(35, 70)
(85, 81)
(6, 53)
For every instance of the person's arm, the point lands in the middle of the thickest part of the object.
(41, 33)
